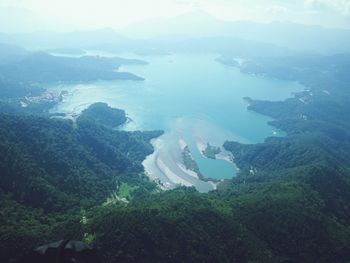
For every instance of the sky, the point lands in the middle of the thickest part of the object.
(69, 15)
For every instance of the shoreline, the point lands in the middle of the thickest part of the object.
(167, 171)
(223, 155)
(172, 176)
(201, 146)
(185, 170)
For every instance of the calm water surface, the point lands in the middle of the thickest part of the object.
(192, 98)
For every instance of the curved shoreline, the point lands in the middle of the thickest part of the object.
(165, 168)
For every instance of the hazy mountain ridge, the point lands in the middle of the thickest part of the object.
(42, 67)
(156, 34)
(289, 35)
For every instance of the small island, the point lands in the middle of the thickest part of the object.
(211, 151)
(103, 114)
(189, 162)
(192, 165)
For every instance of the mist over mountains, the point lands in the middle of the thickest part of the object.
(285, 34)
(193, 28)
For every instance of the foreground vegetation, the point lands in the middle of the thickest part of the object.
(51, 170)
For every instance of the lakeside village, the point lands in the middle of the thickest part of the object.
(48, 97)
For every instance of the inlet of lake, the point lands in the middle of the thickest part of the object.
(196, 101)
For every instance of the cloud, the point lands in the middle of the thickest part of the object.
(20, 19)
(276, 9)
(92, 14)
(340, 6)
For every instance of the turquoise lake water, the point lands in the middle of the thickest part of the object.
(193, 98)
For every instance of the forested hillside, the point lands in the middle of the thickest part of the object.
(19, 65)
(51, 170)
(104, 115)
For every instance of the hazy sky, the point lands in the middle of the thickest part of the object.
(64, 15)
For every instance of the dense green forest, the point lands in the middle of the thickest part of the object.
(289, 203)
(10, 89)
(50, 168)
(104, 115)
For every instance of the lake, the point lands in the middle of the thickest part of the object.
(196, 101)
